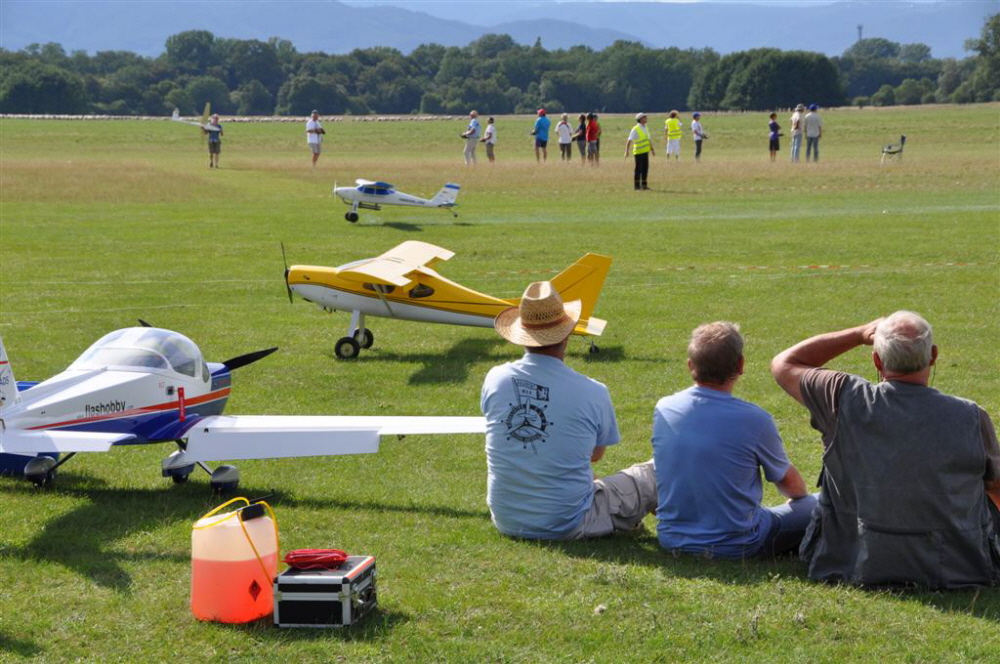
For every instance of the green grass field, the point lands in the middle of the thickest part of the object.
(105, 222)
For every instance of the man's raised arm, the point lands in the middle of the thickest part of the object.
(789, 365)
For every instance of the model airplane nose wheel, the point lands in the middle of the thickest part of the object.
(365, 340)
(351, 217)
(347, 348)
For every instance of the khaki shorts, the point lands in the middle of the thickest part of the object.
(621, 501)
(315, 147)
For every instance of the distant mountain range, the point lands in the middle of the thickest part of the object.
(142, 26)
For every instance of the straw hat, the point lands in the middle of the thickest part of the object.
(541, 319)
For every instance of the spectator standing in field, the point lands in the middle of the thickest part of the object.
(541, 134)
(471, 136)
(774, 135)
(545, 426)
(699, 134)
(813, 125)
(565, 134)
(797, 133)
(709, 448)
(672, 126)
(593, 136)
(641, 144)
(314, 136)
(580, 136)
(214, 141)
(911, 476)
(490, 138)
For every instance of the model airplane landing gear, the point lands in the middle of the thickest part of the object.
(593, 350)
(223, 479)
(351, 217)
(41, 471)
(364, 340)
(347, 348)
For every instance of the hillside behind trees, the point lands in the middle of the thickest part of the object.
(492, 73)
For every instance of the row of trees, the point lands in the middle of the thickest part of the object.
(493, 73)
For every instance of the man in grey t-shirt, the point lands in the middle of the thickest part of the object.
(911, 476)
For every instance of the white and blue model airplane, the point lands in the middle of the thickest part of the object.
(369, 195)
(144, 385)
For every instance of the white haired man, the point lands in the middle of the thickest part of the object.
(710, 448)
(908, 471)
(545, 425)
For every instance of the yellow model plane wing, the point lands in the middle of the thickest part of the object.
(396, 266)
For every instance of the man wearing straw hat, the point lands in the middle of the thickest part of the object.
(545, 425)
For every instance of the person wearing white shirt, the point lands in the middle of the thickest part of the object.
(565, 133)
(699, 134)
(314, 135)
(490, 138)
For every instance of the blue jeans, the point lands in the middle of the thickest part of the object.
(812, 147)
(788, 525)
(796, 146)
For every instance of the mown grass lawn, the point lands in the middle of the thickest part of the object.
(104, 222)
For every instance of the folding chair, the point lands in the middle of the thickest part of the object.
(894, 152)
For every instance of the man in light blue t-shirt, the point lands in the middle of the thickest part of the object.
(541, 134)
(545, 425)
(709, 448)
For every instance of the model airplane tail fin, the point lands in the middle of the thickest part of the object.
(583, 280)
(447, 196)
(8, 386)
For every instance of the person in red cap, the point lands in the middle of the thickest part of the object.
(541, 134)
(546, 425)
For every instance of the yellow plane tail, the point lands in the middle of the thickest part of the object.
(583, 280)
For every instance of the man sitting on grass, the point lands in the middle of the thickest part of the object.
(907, 470)
(545, 425)
(709, 448)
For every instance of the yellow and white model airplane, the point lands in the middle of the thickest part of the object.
(401, 283)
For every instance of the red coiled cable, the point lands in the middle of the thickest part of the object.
(315, 558)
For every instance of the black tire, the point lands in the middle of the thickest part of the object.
(351, 217)
(347, 348)
(367, 340)
(594, 350)
(179, 479)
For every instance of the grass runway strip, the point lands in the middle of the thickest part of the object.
(102, 223)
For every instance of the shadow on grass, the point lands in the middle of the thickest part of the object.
(449, 366)
(20, 647)
(644, 549)
(84, 539)
(379, 506)
(410, 227)
(372, 627)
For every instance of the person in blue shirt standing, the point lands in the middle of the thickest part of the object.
(541, 134)
(214, 132)
(545, 426)
(709, 448)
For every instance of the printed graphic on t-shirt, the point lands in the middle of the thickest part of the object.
(526, 421)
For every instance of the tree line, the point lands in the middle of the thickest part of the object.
(492, 73)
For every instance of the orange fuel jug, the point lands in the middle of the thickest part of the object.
(234, 559)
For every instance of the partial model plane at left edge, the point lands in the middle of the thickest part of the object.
(143, 385)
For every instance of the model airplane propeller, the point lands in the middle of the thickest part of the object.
(150, 385)
(369, 195)
(401, 283)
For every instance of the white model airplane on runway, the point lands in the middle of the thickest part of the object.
(149, 385)
(369, 195)
(401, 283)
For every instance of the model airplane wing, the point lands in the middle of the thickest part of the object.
(269, 437)
(17, 441)
(395, 266)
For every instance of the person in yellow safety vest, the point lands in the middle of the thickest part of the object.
(673, 127)
(642, 147)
